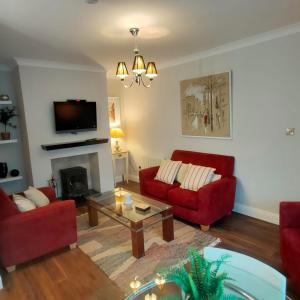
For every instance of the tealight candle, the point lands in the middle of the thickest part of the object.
(135, 284)
(150, 296)
(160, 281)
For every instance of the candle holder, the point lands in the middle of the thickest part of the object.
(150, 296)
(135, 284)
(160, 281)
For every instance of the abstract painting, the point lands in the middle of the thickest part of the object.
(206, 106)
(114, 111)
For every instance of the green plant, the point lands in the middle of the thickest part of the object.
(6, 114)
(201, 280)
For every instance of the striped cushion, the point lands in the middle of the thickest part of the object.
(167, 171)
(196, 177)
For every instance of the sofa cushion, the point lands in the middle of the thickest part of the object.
(7, 206)
(23, 203)
(36, 196)
(184, 198)
(159, 189)
(196, 177)
(167, 171)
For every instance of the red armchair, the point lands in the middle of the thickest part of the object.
(208, 204)
(290, 240)
(28, 235)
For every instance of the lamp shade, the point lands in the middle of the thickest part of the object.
(122, 71)
(116, 133)
(151, 70)
(138, 65)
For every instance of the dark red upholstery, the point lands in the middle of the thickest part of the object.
(27, 235)
(158, 189)
(7, 207)
(208, 204)
(290, 240)
(223, 164)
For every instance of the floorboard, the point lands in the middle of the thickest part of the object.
(70, 274)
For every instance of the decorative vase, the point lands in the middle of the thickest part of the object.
(4, 97)
(3, 169)
(5, 135)
(14, 173)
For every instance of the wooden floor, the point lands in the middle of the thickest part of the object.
(70, 274)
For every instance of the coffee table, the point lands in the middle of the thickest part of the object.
(112, 205)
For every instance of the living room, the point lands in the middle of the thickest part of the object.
(114, 176)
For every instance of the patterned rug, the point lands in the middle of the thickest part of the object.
(109, 246)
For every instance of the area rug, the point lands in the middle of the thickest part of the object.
(109, 246)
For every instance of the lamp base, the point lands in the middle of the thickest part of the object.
(117, 147)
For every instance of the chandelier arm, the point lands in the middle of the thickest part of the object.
(146, 85)
(129, 85)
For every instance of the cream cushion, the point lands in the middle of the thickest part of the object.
(167, 171)
(23, 203)
(36, 196)
(196, 177)
(181, 173)
(216, 177)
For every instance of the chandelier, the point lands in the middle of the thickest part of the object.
(139, 69)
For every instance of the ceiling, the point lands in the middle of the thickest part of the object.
(76, 32)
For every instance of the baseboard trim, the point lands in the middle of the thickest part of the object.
(257, 213)
(134, 178)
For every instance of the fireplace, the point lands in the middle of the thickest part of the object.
(74, 183)
(77, 176)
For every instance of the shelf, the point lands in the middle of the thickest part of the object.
(5, 102)
(8, 141)
(74, 144)
(9, 178)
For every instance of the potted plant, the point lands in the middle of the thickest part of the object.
(6, 114)
(200, 279)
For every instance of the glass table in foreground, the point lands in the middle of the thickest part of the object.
(112, 204)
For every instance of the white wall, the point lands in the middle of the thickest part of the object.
(265, 102)
(40, 86)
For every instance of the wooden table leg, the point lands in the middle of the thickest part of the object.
(93, 215)
(168, 225)
(137, 238)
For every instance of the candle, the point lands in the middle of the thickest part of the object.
(160, 281)
(135, 284)
(150, 296)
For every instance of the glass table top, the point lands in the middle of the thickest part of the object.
(113, 204)
(245, 285)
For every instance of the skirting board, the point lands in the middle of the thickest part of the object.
(242, 209)
(256, 213)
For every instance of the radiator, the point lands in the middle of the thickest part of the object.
(148, 162)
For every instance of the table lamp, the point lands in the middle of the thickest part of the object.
(117, 133)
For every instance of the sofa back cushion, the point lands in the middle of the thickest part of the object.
(7, 206)
(223, 164)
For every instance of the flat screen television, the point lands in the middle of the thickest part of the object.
(73, 116)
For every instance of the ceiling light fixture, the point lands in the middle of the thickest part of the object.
(138, 68)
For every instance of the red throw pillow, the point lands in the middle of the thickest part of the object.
(7, 206)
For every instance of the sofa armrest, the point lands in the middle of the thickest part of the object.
(289, 215)
(216, 199)
(146, 174)
(49, 192)
(36, 232)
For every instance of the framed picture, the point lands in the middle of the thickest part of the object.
(206, 106)
(114, 111)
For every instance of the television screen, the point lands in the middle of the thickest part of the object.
(75, 116)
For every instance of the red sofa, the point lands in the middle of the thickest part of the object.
(290, 240)
(210, 203)
(28, 235)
